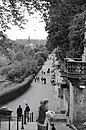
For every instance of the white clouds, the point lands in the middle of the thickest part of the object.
(34, 28)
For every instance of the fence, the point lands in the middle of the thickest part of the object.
(9, 122)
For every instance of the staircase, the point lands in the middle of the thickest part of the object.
(59, 118)
(28, 126)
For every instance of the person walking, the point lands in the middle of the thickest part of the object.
(42, 72)
(35, 78)
(27, 110)
(44, 80)
(41, 118)
(19, 112)
(38, 79)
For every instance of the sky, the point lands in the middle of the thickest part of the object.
(35, 28)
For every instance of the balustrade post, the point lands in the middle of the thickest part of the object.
(32, 116)
(9, 122)
(0, 122)
(24, 117)
(22, 127)
(17, 123)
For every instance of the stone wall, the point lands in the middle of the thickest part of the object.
(79, 110)
(15, 91)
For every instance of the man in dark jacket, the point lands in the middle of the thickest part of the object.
(27, 110)
(19, 112)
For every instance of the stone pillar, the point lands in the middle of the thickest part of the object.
(84, 55)
(71, 102)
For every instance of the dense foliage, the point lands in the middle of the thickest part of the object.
(20, 61)
(65, 26)
(64, 21)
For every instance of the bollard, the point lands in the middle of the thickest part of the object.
(0, 122)
(28, 117)
(32, 116)
(22, 127)
(9, 122)
(17, 123)
(24, 117)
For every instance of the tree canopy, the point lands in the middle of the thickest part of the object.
(60, 16)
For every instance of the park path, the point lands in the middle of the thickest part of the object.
(34, 94)
(37, 92)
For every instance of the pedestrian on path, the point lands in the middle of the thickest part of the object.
(44, 80)
(42, 72)
(19, 112)
(35, 78)
(48, 71)
(27, 110)
(38, 79)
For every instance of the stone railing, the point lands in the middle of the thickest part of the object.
(75, 69)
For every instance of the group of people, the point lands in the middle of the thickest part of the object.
(37, 79)
(20, 111)
(43, 78)
(44, 115)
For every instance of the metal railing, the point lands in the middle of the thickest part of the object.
(19, 122)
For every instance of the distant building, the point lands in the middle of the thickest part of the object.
(30, 42)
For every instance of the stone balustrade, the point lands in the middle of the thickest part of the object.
(75, 68)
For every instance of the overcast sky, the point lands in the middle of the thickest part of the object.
(35, 29)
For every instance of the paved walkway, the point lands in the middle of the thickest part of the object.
(33, 96)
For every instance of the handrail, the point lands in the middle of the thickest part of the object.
(76, 61)
(17, 119)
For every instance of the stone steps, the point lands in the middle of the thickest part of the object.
(13, 126)
(60, 118)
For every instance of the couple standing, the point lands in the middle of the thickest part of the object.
(44, 115)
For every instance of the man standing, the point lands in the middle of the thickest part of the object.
(27, 110)
(19, 112)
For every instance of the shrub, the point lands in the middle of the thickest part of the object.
(33, 66)
(40, 61)
(41, 54)
(6, 69)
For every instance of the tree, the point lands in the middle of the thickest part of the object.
(61, 13)
(40, 61)
(57, 14)
(19, 56)
(76, 34)
(13, 11)
(28, 51)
